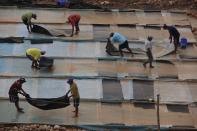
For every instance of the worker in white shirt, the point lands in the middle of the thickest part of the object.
(148, 49)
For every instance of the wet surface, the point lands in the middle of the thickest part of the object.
(167, 91)
(92, 113)
(112, 78)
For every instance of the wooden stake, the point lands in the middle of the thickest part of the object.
(158, 119)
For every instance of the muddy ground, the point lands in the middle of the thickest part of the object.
(120, 4)
(37, 127)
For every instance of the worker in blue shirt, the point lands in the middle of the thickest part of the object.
(123, 43)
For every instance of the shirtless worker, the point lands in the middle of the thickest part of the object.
(75, 95)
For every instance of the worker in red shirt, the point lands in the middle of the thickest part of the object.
(16, 88)
(74, 21)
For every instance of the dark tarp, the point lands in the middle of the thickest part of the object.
(40, 30)
(46, 62)
(187, 57)
(178, 108)
(49, 32)
(49, 103)
(12, 40)
(41, 41)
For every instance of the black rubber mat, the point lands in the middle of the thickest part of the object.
(187, 57)
(46, 62)
(178, 108)
(112, 90)
(12, 40)
(143, 90)
(40, 30)
(145, 105)
(41, 41)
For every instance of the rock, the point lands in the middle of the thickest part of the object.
(15, 128)
(56, 127)
(33, 126)
(171, 2)
(194, 29)
(105, 3)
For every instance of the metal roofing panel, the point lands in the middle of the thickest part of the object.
(171, 92)
(112, 90)
(143, 90)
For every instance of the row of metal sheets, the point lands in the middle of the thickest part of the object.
(21, 67)
(95, 32)
(19, 30)
(96, 113)
(108, 90)
(95, 50)
(95, 68)
(97, 17)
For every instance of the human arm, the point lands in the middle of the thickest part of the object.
(29, 24)
(68, 93)
(170, 37)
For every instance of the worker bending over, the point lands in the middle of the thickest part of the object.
(34, 54)
(174, 33)
(26, 18)
(123, 43)
(74, 21)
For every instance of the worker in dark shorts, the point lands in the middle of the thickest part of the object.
(15, 89)
(75, 95)
(123, 43)
(174, 33)
(148, 49)
(26, 18)
(74, 21)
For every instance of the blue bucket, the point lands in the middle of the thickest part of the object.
(183, 42)
(63, 3)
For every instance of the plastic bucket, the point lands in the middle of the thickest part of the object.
(183, 42)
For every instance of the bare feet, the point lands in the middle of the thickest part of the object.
(75, 116)
(20, 110)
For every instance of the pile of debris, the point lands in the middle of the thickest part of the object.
(37, 127)
(144, 4)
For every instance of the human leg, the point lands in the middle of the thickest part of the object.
(76, 105)
(77, 28)
(176, 43)
(150, 58)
